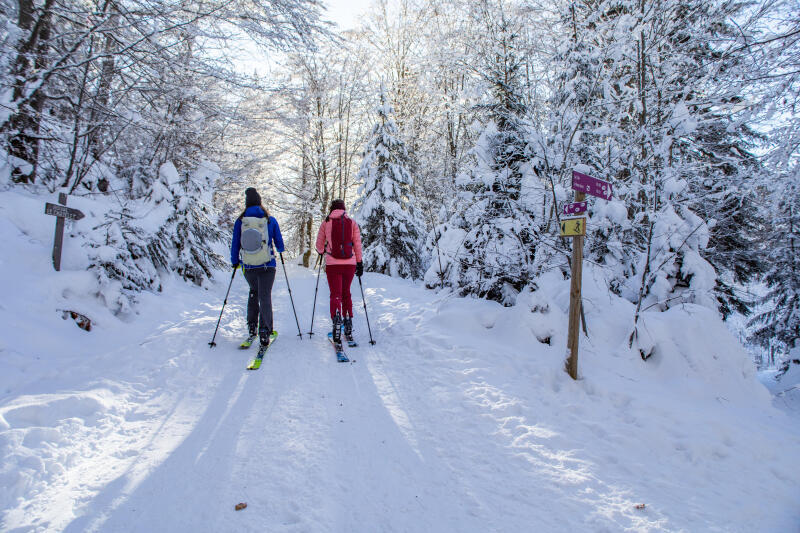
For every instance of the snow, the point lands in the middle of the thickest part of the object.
(168, 173)
(460, 418)
(785, 386)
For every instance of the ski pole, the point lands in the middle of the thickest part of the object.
(212, 343)
(290, 296)
(365, 310)
(314, 308)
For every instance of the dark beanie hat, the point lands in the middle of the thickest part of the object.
(251, 197)
(337, 204)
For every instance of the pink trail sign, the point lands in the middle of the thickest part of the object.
(575, 208)
(585, 183)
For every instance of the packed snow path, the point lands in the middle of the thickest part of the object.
(458, 419)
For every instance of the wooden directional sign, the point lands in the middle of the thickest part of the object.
(575, 208)
(585, 183)
(573, 227)
(62, 211)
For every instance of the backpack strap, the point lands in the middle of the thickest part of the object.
(327, 242)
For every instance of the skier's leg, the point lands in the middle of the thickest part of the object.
(252, 300)
(348, 272)
(265, 282)
(335, 283)
(334, 276)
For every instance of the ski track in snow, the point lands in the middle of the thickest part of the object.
(451, 422)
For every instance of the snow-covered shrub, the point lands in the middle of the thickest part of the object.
(167, 230)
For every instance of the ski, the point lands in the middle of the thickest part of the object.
(351, 342)
(340, 355)
(255, 364)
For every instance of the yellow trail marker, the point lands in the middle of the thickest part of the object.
(573, 227)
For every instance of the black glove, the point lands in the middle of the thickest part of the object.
(359, 269)
(236, 266)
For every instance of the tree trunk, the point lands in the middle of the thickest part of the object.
(24, 125)
(102, 96)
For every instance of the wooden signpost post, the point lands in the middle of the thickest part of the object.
(61, 212)
(575, 228)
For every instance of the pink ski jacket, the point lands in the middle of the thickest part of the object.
(324, 240)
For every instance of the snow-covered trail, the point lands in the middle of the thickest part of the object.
(435, 428)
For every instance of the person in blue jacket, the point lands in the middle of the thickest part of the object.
(256, 236)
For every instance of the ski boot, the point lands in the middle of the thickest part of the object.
(251, 336)
(335, 337)
(337, 329)
(348, 331)
(255, 364)
(262, 349)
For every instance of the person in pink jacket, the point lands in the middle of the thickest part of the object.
(339, 240)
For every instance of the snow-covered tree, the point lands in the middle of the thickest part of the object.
(779, 325)
(190, 230)
(392, 228)
(168, 230)
(489, 243)
(124, 101)
(585, 129)
(645, 101)
(321, 137)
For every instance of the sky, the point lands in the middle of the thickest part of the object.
(345, 13)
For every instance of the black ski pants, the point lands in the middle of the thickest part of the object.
(259, 302)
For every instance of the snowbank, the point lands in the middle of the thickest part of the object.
(460, 418)
(785, 385)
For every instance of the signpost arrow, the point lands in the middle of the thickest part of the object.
(575, 208)
(60, 212)
(585, 183)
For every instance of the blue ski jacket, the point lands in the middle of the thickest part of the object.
(274, 238)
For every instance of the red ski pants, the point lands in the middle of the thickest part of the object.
(339, 279)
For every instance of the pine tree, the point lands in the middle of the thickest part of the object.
(779, 324)
(722, 191)
(190, 230)
(713, 146)
(392, 229)
(692, 155)
(490, 243)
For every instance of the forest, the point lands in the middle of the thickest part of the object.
(450, 128)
